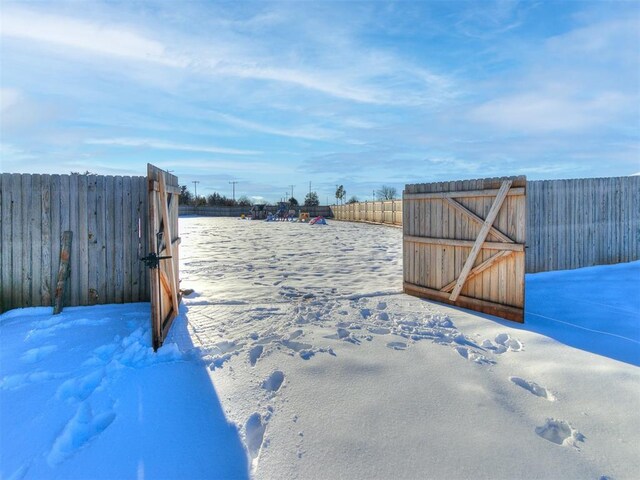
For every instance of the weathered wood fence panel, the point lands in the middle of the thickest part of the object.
(463, 244)
(582, 222)
(164, 248)
(102, 212)
(385, 212)
(570, 223)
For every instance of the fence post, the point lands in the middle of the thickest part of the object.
(63, 272)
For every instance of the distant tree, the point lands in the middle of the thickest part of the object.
(340, 193)
(293, 202)
(353, 199)
(186, 198)
(199, 201)
(86, 172)
(215, 199)
(244, 201)
(386, 193)
(311, 200)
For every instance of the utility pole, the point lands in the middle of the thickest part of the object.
(309, 187)
(195, 189)
(374, 195)
(234, 189)
(291, 187)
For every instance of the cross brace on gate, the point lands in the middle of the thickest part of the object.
(506, 247)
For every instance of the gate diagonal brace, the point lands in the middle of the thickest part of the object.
(482, 236)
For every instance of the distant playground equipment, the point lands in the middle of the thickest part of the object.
(283, 214)
(318, 221)
(258, 212)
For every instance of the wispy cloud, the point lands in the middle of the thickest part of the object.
(550, 111)
(372, 79)
(162, 145)
(85, 35)
(308, 132)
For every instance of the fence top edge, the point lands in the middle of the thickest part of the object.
(518, 181)
(78, 175)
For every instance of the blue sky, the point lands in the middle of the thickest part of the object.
(354, 93)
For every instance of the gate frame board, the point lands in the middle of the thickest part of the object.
(464, 244)
(163, 194)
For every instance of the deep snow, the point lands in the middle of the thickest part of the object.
(301, 338)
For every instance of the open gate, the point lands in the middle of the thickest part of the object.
(163, 256)
(464, 244)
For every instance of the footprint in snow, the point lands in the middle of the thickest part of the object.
(497, 349)
(397, 345)
(274, 382)
(254, 434)
(473, 356)
(255, 353)
(81, 388)
(80, 430)
(560, 433)
(379, 330)
(511, 344)
(34, 355)
(534, 388)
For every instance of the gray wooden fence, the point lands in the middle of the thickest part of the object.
(582, 222)
(104, 213)
(570, 223)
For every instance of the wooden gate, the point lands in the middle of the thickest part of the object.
(163, 256)
(464, 244)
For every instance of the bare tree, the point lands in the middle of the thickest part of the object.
(386, 193)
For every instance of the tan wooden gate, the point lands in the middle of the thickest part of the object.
(163, 256)
(464, 244)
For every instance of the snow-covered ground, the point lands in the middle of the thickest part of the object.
(298, 348)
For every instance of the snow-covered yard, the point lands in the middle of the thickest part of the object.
(298, 350)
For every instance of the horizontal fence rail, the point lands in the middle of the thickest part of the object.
(219, 211)
(104, 214)
(570, 223)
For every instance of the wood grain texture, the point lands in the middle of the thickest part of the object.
(34, 212)
(449, 227)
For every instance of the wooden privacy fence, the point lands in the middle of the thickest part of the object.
(582, 222)
(570, 223)
(386, 212)
(464, 244)
(106, 215)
